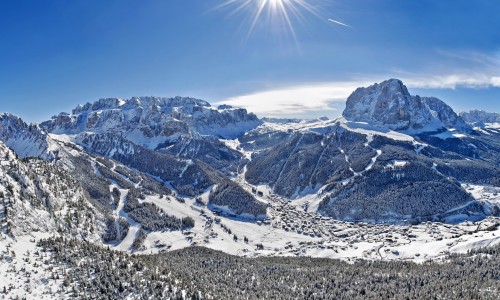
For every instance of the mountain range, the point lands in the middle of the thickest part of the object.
(126, 172)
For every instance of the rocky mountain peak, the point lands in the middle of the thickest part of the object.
(390, 104)
(27, 140)
(151, 121)
(394, 86)
(148, 102)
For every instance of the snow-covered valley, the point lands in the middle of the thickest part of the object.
(290, 231)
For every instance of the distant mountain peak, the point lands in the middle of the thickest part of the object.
(389, 103)
(480, 117)
(145, 101)
(151, 121)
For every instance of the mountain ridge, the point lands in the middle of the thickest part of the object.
(153, 117)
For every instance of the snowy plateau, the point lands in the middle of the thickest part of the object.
(397, 178)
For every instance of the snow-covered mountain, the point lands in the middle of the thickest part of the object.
(391, 157)
(480, 117)
(26, 140)
(183, 127)
(154, 121)
(389, 103)
(40, 196)
(352, 173)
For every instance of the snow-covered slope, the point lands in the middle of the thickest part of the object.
(445, 114)
(39, 196)
(354, 172)
(26, 140)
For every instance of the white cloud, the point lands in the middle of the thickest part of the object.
(453, 81)
(495, 81)
(317, 99)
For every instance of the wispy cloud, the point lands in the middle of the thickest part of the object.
(339, 23)
(460, 69)
(453, 81)
(316, 99)
(472, 59)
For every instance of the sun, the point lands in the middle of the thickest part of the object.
(273, 13)
(277, 4)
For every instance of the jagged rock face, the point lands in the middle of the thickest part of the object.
(183, 127)
(479, 117)
(150, 121)
(445, 114)
(389, 103)
(26, 140)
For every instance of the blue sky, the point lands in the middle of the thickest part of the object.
(55, 54)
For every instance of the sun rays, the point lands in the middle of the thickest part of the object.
(282, 14)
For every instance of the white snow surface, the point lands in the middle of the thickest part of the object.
(19, 274)
(324, 126)
(487, 193)
(291, 231)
